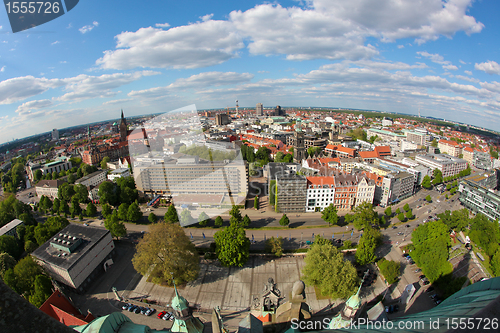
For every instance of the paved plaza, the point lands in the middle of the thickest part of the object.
(236, 289)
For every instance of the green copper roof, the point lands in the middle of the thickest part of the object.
(179, 303)
(115, 322)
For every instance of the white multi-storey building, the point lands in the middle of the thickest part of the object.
(448, 165)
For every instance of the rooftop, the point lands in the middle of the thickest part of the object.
(9, 226)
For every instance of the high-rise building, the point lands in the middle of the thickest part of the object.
(278, 111)
(259, 110)
(55, 134)
(222, 119)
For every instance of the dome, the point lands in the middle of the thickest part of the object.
(298, 288)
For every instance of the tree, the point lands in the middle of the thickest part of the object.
(81, 193)
(106, 210)
(389, 269)
(38, 175)
(6, 262)
(409, 214)
(186, 217)
(75, 206)
(65, 192)
(326, 268)
(218, 221)
(152, 218)
(434, 143)
(284, 221)
(63, 207)
(246, 221)
(235, 212)
(428, 198)
(398, 211)
(406, 207)
(426, 182)
(30, 246)
(495, 263)
(115, 227)
(56, 204)
(438, 177)
(485, 233)
(134, 213)
(388, 211)
(367, 245)
(107, 193)
(42, 290)
(104, 162)
(232, 246)
(71, 178)
(9, 245)
(166, 249)
(272, 192)
(21, 278)
(91, 210)
(203, 219)
(401, 217)
(275, 246)
(329, 214)
(256, 202)
(171, 215)
(432, 241)
(364, 215)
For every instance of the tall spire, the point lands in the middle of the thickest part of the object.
(122, 113)
(175, 287)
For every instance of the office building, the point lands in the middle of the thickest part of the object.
(55, 134)
(259, 110)
(396, 187)
(222, 119)
(418, 136)
(76, 255)
(49, 188)
(278, 111)
(291, 193)
(479, 199)
(58, 165)
(448, 165)
(119, 173)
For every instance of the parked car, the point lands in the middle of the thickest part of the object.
(132, 308)
(149, 311)
(418, 270)
(126, 306)
(143, 310)
(421, 277)
(396, 308)
(438, 301)
(161, 314)
(137, 309)
(430, 289)
(426, 282)
(394, 227)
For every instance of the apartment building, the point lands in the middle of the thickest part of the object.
(320, 193)
(396, 187)
(447, 164)
(450, 147)
(418, 136)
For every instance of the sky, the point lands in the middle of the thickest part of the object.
(437, 57)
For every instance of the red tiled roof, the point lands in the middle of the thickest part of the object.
(59, 308)
(320, 181)
(368, 154)
(383, 150)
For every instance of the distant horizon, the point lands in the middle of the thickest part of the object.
(313, 108)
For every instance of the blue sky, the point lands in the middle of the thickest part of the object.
(439, 57)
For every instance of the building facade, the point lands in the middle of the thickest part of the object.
(49, 188)
(291, 194)
(479, 199)
(447, 164)
(259, 110)
(222, 119)
(450, 147)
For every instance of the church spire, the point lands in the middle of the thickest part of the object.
(122, 113)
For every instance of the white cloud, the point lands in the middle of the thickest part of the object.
(56, 42)
(33, 105)
(438, 59)
(117, 101)
(69, 26)
(88, 28)
(466, 78)
(462, 62)
(63, 62)
(206, 17)
(2, 69)
(192, 46)
(468, 72)
(490, 67)
(84, 87)
(450, 67)
(401, 46)
(19, 88)
(162, 25)
(323, 29)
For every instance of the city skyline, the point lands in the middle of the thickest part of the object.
(432, 57)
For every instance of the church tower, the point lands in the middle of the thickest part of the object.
(299, 150)
(123, 129)
(184, 322)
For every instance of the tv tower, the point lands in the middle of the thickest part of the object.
(236, 106)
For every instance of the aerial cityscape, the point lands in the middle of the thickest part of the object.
(284, 167)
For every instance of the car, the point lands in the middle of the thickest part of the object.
(421, 277)
(126, 306)
(132, 308)
(144, 310)
(408, 225)
(434, 296)
(387, 308)
(430, 289)
(412, 262)
(169, 316)
(396, 308)
(394, 227)
(418, 270)
(137, 309)
(426, 282)
(437, 301)
(161, 314)
(149, 312)
(400, 233)
(391, 309)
